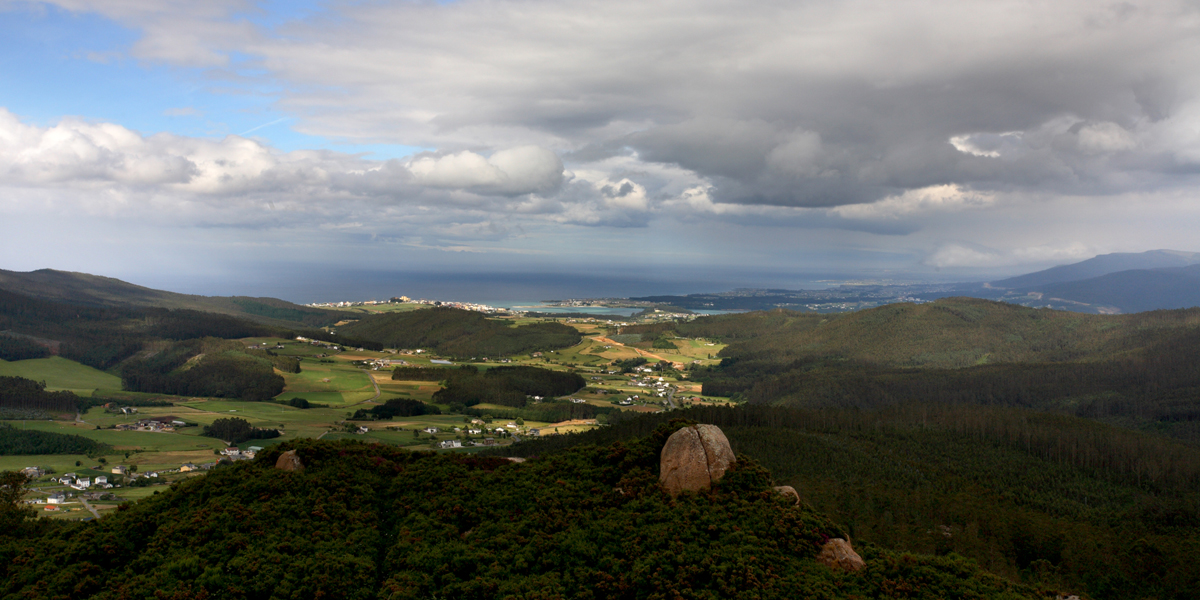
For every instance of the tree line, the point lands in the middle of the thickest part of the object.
(17, 441)
(236, 431)
(506, 386)
(206, 367)
(19, 393)
(460, 333)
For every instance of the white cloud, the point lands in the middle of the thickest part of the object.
(964, 254)
(942, 198)
(516, 171)
(1100, 138)
(929, 123)
(986, 144)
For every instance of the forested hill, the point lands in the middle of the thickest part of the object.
(1135, 370)
(947, 333)
(94, 290)
(459, 333)
(364, 521)
(1105, 512)
(102, 337)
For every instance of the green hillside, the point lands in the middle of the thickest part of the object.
(459, 333)
(61, 374)
(948, 333)
(371, 521)
(1051, 500)
(94, 290)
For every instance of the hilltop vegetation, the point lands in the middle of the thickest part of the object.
(371, 521)
(20, 394)
(506, 386)
(208, 367)
(459, 333)
(1047, 499)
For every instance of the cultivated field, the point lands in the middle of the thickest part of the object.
(61, 374)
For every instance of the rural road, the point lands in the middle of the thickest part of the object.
(604, 340)
(89, 507)
(374, 383)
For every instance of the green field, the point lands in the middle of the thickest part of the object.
(341, 384)
(61, 374)
(333, 381)
(382, 308)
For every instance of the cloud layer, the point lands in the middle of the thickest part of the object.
(930, 123)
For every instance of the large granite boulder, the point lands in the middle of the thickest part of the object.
(790, 492)
(838, 554)
(694, 458)
(288, 461)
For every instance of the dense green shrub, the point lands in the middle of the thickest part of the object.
(16, 441)
(236, 431)
(460, 333)
(369, 521)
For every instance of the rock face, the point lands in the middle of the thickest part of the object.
(790, 492)
(288, 461)
(694, 458)
(838, 554)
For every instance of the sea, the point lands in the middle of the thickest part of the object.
(527, 291)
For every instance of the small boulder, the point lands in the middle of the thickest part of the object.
(288, 461)
(694, 458)
(790, 492)
(837, 554)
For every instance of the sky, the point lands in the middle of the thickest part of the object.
(217, 145)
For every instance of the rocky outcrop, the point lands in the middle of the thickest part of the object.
(790, 492)
(288, 461)
(837, 554)
(694, 458)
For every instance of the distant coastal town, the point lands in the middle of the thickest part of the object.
(483, 308)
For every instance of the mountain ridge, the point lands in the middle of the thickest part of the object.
(97, 290)
(1100, 265)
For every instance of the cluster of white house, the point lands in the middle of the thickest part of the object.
(159, 424)
(82, 483)
(659, 386)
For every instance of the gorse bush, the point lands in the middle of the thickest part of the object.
(372, 521)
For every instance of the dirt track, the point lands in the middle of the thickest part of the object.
(604, 340)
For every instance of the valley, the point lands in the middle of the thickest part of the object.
(1035, 443)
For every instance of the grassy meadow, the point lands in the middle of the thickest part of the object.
(61, 374)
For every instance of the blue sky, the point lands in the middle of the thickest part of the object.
(57, 63)
(940, 140)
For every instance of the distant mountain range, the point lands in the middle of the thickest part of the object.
(1119, 282)
(1101, 265)
(94, 290)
